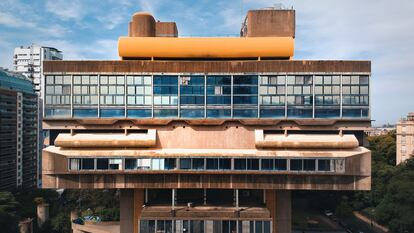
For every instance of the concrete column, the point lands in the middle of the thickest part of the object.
(42, 214)
(279, 204)
(139, 198)
(126, 209)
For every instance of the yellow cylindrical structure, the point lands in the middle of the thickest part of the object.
(231, 47)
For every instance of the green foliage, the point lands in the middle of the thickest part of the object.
(343, 210)
(396, 209)
(8, 213)
(109, 214)
(61, 223)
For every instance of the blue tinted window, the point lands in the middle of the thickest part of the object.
(245, 113)
(351, 113)
(245, 79)
(139, 113)
(115, 113)
(85, 112)
(219, 80)
(219, 100)
(165, 113)
(272, 113)
(57, 112)
(185, 163)
(327, 113)
(218, 90)
(218, 113)
(192, 100)
(192, 113)
(165, 80)
(299, 113)
(245, 100)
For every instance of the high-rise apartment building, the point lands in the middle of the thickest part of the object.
(207, 135)
(18, 132)
(405, 138)
(29, 62)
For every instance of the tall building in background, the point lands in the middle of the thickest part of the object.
(207, 134)
(18, 132)
(29, 62)
(405, 138)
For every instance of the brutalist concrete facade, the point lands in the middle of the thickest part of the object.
(204, 142)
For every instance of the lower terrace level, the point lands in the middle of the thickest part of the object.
(205, 211)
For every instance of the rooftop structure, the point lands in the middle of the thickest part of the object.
(18, 132)
(207, 134)
(405, 138)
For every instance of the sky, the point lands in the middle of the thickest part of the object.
(378, 30)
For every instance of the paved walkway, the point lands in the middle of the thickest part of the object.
(377, 227)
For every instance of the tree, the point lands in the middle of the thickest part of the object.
(8, 213)
(396, 208)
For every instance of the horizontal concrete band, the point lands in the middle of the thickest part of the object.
(107, 140)
(312, 141)
(205, 212)
(227, 67)
(199, 181)
(210, 47)
(315, 153)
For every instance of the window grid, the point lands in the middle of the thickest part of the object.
(112, 90)
(218, 97)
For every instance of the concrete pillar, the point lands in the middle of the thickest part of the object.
(42, 214)
(26, 226)
(126, 209)
(279, 204)
(131, 202)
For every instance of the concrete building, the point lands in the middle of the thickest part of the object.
(29, 62)
(207, 134)
(405, 138)
(18, 132)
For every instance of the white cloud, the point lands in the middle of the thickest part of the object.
(66, 10)
(9, 20)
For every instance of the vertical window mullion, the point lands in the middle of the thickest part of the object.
(313, 96)
(341, 98)
(99, 95)
(71, 96)
(231, 96)
(286, 96)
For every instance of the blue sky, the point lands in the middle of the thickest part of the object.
(377, 30)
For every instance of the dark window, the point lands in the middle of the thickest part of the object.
(324, 165)
(252, 164)
(169, 164)
(198, 164)
(88, 164)
(296, 165)
(185, 163)
(281, 164)
(309, 165)
(259, 226)
(130, 164)
(197, 226)
(240, 164)
(225, 164)
(212, 164)
(267, 164)
(102, 164)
